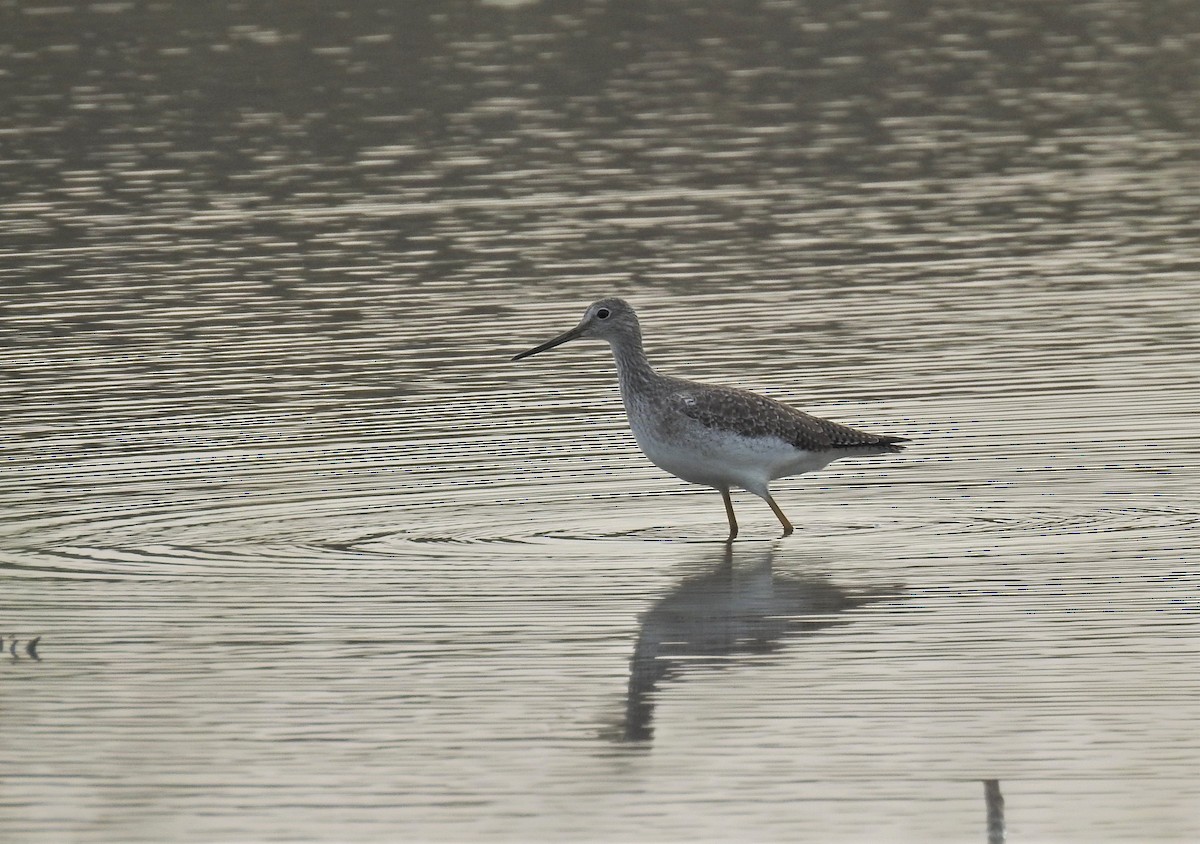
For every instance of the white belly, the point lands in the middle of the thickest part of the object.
(723, 459)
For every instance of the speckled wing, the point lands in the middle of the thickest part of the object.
(752, 415)
(843, 436)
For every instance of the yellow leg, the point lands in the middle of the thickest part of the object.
(733, 530)
(783, 520)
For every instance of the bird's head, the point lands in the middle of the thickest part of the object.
(606, 319)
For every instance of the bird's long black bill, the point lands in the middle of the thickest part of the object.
(550, 344)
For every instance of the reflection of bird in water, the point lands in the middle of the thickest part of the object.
(713, 618)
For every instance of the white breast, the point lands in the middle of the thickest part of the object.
(705, 456)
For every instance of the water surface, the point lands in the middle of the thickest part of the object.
(311, 559)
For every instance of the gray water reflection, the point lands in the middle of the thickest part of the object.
(995, 812)
(710, 620)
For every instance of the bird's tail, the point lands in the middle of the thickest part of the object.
(886, 442)
(843, 436)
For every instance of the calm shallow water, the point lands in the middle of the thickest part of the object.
(311, 559)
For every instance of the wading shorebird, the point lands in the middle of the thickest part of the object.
(720, 437)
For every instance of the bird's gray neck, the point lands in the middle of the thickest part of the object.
(633, 369)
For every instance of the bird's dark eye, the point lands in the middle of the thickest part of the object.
(603, 313)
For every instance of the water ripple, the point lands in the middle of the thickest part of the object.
(310, 558)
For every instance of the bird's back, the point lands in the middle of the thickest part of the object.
(757, 417)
